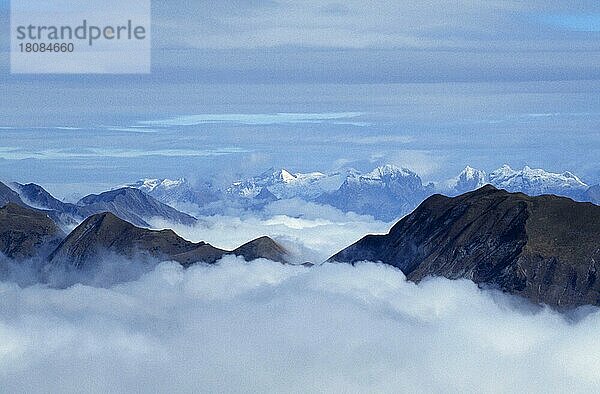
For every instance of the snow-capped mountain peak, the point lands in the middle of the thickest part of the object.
(150, 185)
(175, 192)
(388, 170)
(469, 179)
(470, 173)
(286, 176)
(536, 181)
(504, 171)
(285, 184)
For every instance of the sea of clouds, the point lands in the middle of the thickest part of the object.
(309, 231)
(267, 327)
(262, 326)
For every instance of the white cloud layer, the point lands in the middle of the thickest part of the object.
(258, 119)
(16, 153)
(311, 232)
(266, 327)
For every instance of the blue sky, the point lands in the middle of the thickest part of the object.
(438, 85)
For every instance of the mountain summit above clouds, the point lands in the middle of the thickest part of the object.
(283, 184)
(544, 248)
(469, 179)
(106, 233)
(386, 192)
(176, 192)
(134, 206)
(29, 236)
(537, 182)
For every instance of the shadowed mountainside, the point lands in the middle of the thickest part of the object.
(25, 233)
(7, 195)
(129, 204)
(544, 248)
(106, 233)
(134, 206)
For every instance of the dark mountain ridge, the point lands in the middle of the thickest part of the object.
(544, 248)
(105, 232)
(26, 233)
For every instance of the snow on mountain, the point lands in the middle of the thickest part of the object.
(165, 190)
(537, 181)
(159, 185)
(176, 192)
(469, 179)
(386, 193)
(533, 182)
(384, 174)
(283, 184)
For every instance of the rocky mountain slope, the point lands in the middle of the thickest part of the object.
(8, 195)
(134, 206)
(105, 233)
(545, 248)
(26, 233)
(592, 195)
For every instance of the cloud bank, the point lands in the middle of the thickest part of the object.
(311, 232)
(266, 327)
(256, 119)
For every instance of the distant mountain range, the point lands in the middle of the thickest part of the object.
(386, 193)
(544, 248)
(533, 182)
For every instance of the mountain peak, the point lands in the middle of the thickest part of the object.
(107, 233)
(487, 188)
(286, 176)
(389, 170)
(263, 247)
(504, 171)
(542, 248)
(536, 181)
(150, 185)
(109, 196)
(134, 206)
(472, 173)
